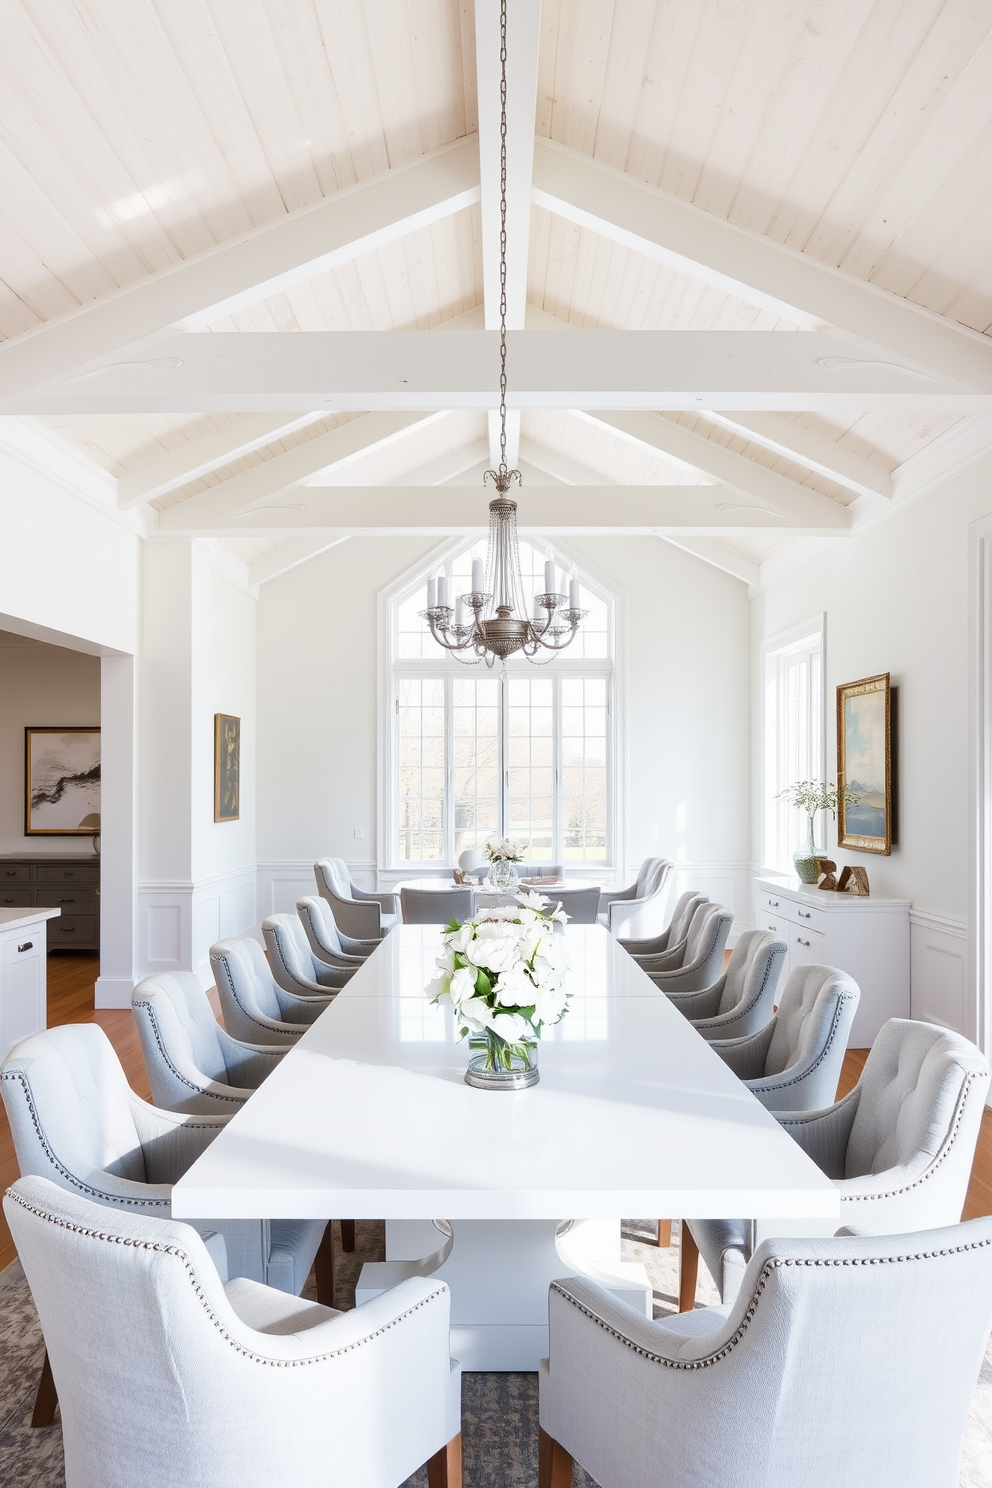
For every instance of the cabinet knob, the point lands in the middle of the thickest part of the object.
(801, 941)
(773, 904)
(26, 945)
(806, 914)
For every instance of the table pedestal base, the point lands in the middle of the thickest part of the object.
(499, 1272)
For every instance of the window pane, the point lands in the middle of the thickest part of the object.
(420, 728)
(475, 746)
(530, 801)
(584, 721)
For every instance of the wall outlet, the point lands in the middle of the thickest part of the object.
(359, 834)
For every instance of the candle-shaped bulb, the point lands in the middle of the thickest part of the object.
(442, 589)
(538, 610)
(573, 593)
(549, 576)
(460, 612)
(431, 592)
(477, 578)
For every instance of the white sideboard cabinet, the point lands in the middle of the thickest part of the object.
(23, 974)
(868, 938)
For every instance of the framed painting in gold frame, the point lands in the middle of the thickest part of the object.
(61, 781)
(227, 767)
(864, 764)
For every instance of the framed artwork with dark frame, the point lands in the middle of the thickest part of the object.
(61, 781)
(864, 764)
(227, 767)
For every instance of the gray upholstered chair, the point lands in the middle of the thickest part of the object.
(794, 1062)
(436, 906)
(358, 913)
(899, 1147)
(532, 868)
(638, 911)
(256, 1009)
(671, 942)
(703, 956)
(326, 941)
(581, 905)
(193, 1064)
(740, 1001)
(169, 1377)
(841, 1361)
(294, 967)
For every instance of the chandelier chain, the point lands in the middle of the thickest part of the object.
(502, 237)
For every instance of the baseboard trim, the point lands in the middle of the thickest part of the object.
(113, 992)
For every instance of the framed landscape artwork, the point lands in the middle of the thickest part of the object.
(61, 782)
(227, 767)
(864, 764)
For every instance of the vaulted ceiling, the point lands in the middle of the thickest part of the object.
(221, 221)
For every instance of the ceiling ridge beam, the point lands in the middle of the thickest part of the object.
(261, 263)
(753, 267)
(734, 472)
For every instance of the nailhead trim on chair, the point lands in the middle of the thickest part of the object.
(724, 1020)
(752, 1307)
(175, 1250)
(96, 1193)
(775, 1082)
(199, 1089)
(325, 992)
(290, 1028)
(857, 1198)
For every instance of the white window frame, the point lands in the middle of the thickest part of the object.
(807, 638)
(392, 667)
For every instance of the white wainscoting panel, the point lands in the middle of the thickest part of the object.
(281, 884)
(939, 971)
(179, 922)
(724, 883)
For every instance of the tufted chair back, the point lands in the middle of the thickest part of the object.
(241, 971)
(173, 1007)
(336, 873)
(317, 919)
(683, 916)
(290, 954)
(917, 1090)
(70, 1107)
(815, 1012)
(752, 975)
(703, 941)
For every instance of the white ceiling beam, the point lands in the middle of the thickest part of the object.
(205, 452)
(262, 263)
(301, 371)
(523, 34)
(348, 442)
(737, 472)
(720, 555)
(753, 267)
(411, 510)
(288, 556)
(815, 451)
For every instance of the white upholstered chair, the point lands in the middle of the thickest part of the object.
(794, 1062)
(703, 956)
(740, 1001)
(193, 1064)
(326, 941)
(581, 905)
(293, 965)
(841, 1362)
(436, 906)
(256, 1009)
(358, 913)
(671, 941)
(168, 1378)
(639, 910)
(899, 1147)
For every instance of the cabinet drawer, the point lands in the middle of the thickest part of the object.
(56, 873)
(15, 873)
(14, 898)
(777, 906)
(70, 930)
(805, 948)
(70, 900)
(810, 919)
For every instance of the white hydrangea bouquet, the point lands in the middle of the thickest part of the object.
(505, 851)
(504, 975)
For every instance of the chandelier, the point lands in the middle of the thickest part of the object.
(499, 625)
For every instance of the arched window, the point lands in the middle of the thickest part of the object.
(468, 755)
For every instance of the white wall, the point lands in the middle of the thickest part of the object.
(687, 713)
(39, 684)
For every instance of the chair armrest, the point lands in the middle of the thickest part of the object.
(334, 976)
(668, 960)
(388, 903)
(249, 1064)
(171, 1141)
(576, 1305)
(824, 1135)
(605, 900)
(745, 1056)
(360, 949)
(300, 1008)
(698, 1004)
(651, 947)
(682, 979)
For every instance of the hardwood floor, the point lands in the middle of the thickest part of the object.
(70, 1000)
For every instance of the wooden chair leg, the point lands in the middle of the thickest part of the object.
(323, 1265)
(554, 1464)
(348, 1234)
(688, 1269)
(444, 1470)
(664, 1234)
(47, 1397)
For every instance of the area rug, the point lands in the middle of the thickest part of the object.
(499, 1411)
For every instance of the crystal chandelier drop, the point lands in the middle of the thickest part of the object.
(499, 625)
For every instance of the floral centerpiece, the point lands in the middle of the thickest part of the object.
(504, 975)
(812, 796)
(501, 857)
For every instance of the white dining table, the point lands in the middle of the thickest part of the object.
(368, 1116)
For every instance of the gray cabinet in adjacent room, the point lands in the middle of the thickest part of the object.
(70, 884)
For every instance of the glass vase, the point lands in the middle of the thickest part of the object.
(502, 876)
(496, 1065)
(804, 858)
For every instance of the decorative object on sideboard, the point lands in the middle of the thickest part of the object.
(472, 863)
(811, 796)
(853, 881)
(61, 780)
(93, 823)
(827, 871)
(459, 876)
(864, 763)
(502, 855)
(227, 767)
